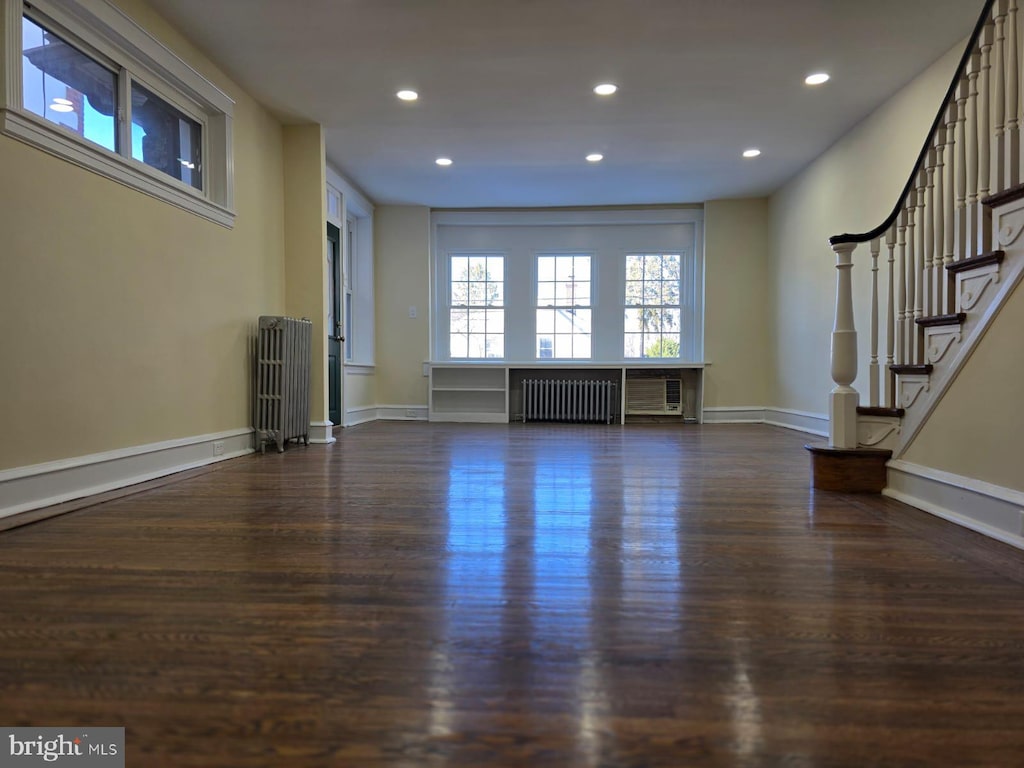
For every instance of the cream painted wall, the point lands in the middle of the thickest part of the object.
(977, 429)
(850, 188)
(360, 390)
(305, 216)
(128, 319)
(402, 280)
(737, 315)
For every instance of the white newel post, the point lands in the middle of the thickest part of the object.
(844, 399)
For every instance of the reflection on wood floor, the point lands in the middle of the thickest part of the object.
(430, 595)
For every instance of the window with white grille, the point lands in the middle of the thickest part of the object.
(563, 306)
(476, 314)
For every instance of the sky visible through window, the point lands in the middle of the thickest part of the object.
(57, 100)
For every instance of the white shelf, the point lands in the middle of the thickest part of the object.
(482, 391)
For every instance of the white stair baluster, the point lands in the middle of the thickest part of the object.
(960, 222)
(1012, 150)
(890, 320)
(983, 213)
(939, 212)
(873, 362)
(901, 287)
(950, 206)
(928, 222)
(919, 284)
(998, 174)
(973, 216)
(909, 348)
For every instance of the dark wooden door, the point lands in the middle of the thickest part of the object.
(334, 328)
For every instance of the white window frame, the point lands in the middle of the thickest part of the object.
(449, 306)
(590, 307)
(680, 307)
(348, 205)
(607, 275)
(102, 31)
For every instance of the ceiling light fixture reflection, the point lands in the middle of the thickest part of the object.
(751, 152)
(407, 95)
(605, 89)
(817, 78)
(444, 162)
(62, 108)
(595, 157)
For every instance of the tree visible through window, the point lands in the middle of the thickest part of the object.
(476, 313)
(652, 324)
(563, 307)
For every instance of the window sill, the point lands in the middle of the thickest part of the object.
(53, 140)
(360, 369)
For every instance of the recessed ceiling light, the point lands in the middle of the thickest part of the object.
(817, 79)
(751, 152)
(595, 157)
(407, 95)
(444, 161)
(605, 89)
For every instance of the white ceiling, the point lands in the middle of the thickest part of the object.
(505, 88)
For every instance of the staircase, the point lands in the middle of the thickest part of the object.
(942, 263)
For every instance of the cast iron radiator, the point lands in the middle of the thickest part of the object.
(570, 400)
(283, 357)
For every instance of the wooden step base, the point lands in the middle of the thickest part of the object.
(865, 410)
(912, 370)
(848, 470)
(938, 321)
(976, 262)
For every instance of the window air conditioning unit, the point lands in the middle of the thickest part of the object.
(654, 397)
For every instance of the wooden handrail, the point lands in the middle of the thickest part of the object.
(950, 92)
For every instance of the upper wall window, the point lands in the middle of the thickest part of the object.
(67, 87)
(165, 138)
(98, 91)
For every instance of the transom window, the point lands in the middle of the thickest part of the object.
(476, 309)
(66, 87)
(100, 92)
(563, 306)
(653, 316)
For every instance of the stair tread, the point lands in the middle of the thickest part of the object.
(866, 410)
(936, 321)
(1006, 196)
(975, 262)
(913, 369)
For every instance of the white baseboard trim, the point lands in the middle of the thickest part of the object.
(402, 412)
(320, 432)
(801, 421)
(989, 509)
(360, 415)
(747, 414)
(42, 485)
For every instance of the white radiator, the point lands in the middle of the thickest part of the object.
(569, 400)
(283, 356)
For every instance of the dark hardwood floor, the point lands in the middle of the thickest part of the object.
(432, 595)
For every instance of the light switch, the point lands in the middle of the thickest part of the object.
(412, 312)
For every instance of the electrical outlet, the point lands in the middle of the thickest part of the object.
(410, 413)
(412, 312)
(218, 448)
(1022, 522)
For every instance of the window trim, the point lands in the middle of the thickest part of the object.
(448, 306)
(102, 31)
(590, 307)
(692, 351)
(681, 306)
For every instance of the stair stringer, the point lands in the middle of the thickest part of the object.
(1008, 225)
